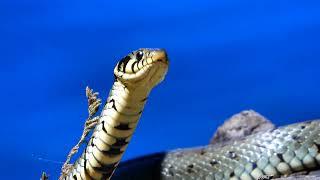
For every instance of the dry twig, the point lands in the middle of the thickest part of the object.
(93, 106)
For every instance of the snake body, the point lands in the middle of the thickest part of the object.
(276, 152)
(135, 75)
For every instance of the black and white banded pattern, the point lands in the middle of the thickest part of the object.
(135, 76)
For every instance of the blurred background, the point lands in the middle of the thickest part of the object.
(226, 56)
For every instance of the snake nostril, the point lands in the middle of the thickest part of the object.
(163, 60)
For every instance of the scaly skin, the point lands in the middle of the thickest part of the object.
(278, 152)
(135, 76)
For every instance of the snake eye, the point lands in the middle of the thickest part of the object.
(139, 55)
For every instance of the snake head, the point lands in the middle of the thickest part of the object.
(143, 67)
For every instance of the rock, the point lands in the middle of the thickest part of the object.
(241, 125)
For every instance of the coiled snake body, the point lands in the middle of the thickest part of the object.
(277, 152)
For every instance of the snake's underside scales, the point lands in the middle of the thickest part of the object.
(277, 152)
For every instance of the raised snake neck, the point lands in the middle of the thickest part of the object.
(278, 152)
(135, 76)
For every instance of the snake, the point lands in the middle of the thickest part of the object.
(135, 76)
(274, 153)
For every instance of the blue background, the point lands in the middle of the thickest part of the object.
(226, 56)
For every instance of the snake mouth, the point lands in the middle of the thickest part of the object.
(160, 56)
(150, 72)
(136, 66)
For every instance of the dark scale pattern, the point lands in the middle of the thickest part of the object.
(113, 104)
(213, 162)
(132, 66)
(122, 126)
(113, 151)
(123, 63)
(119, 141)
(106, 168)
